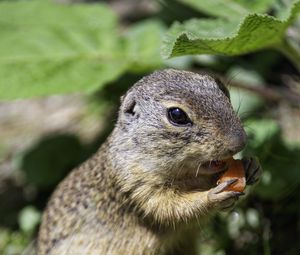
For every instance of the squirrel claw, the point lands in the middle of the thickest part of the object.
(223, 185)
(252, 170)
(220, 198)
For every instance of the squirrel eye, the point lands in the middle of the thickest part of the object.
(178, 117)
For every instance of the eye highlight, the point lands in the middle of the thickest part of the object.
(178, 117)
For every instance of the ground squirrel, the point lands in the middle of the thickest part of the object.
(154, 179)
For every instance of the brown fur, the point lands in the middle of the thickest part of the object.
(145, 189)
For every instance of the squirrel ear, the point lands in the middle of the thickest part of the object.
(128, 103)
(222, 87)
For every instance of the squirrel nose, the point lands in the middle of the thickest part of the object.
(237, 142)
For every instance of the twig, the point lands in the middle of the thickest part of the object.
(291, 51)
(268, 91)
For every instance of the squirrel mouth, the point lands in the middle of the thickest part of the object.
(202, 177)
(213, 167)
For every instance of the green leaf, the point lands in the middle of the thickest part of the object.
(227, 37)
(229, 8)
(46, 48)
(143, 43)
(260, 6)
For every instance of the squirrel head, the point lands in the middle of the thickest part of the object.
(171, 116)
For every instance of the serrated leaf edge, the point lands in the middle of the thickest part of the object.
(289, 17)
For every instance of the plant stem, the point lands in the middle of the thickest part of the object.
(269, 92)
(292, 52)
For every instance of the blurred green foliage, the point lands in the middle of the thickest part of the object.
(48, 48)
(45, 166)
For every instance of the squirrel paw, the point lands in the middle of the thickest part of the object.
(222, 199)
(252, 169)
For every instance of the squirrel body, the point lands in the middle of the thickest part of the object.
(153, 181)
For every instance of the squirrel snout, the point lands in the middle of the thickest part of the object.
(237, 142)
